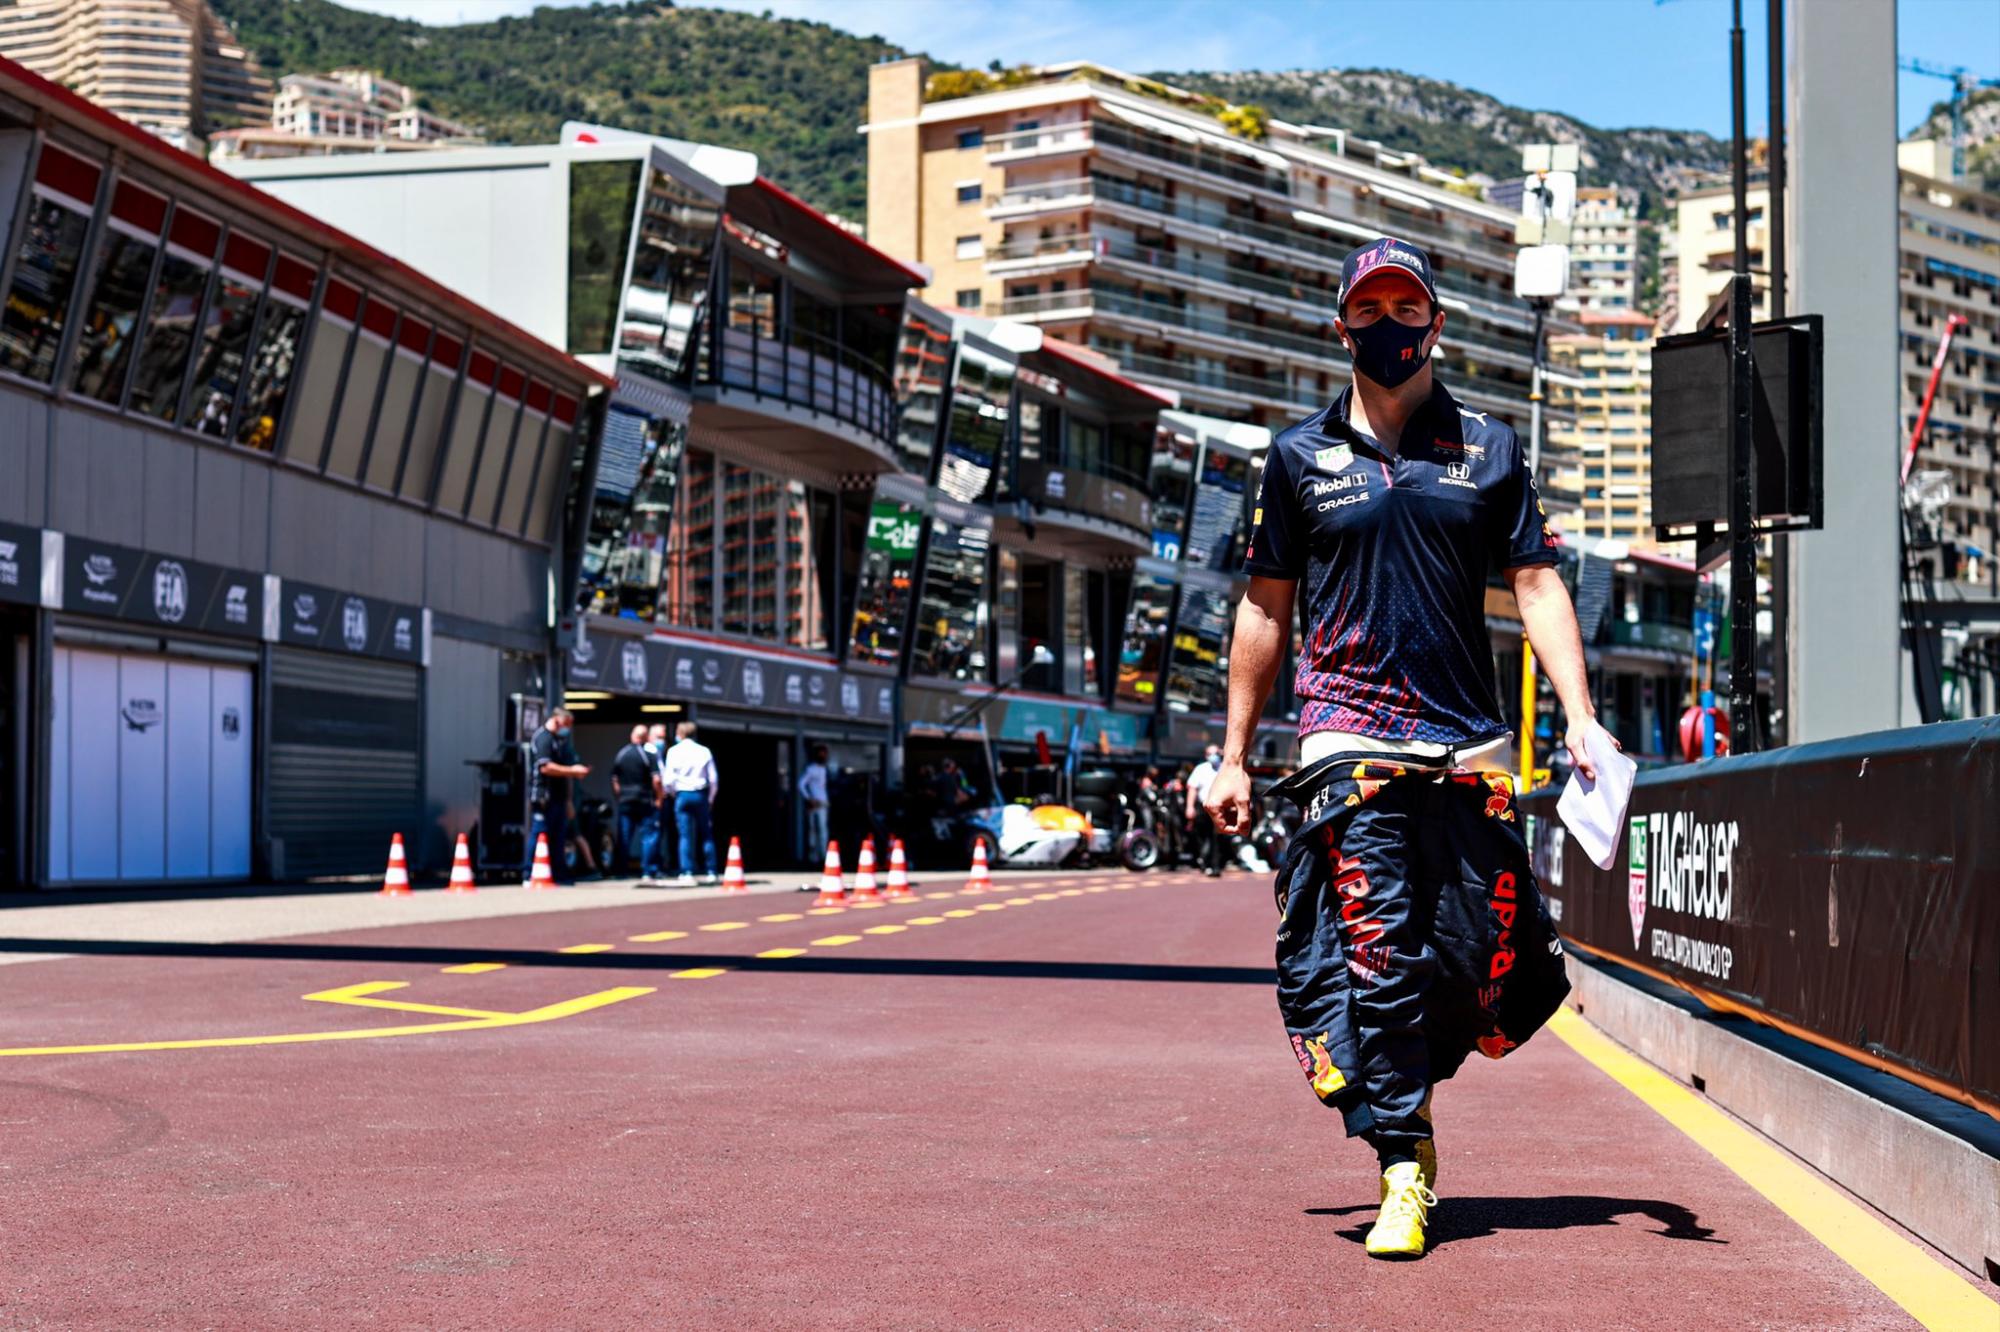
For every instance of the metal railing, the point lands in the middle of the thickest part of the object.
(803, 369)
(1274, 387)
(1211, 162)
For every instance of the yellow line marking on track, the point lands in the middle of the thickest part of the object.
(782, 952)
(781, 917)
(719, 926)
(697, 973)
(1045, 897)
(587, 948)
(960, 913)
(661, 936)
(473, 968)
(826, 911)
(1070, 892)
(926, 920)
(867, 904)
(1097, 888)
(1018, 901)
(836, 940)
(357, 995)
(1930, 1292)
(546, 1013)
(885, 929)
(937, 896)
(989, 906)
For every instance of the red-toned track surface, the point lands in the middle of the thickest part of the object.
(1070, 1111)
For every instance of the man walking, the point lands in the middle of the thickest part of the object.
(812, 790)
(1412, 930)
(691, 783)
(552, 767)
(660, 858)
(635, 790)
(1211, 837)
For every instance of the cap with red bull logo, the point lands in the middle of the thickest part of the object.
(1379, 256)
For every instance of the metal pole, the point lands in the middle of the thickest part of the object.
(1535, 399)
(1742, 387)
(1774, 258)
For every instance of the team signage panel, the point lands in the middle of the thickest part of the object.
(20, 563)
(127, 584)
(319, 617)
(660, 669)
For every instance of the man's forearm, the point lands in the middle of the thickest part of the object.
(1550, 620)
(1255, 651)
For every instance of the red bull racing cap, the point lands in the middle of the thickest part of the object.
(1381, 256)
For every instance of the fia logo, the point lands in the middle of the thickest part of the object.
(632, 666)
(850, 696)
(354, 624)
(753, 683)
(170, 591)
(232, 724)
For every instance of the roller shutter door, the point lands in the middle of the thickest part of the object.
(345, 766)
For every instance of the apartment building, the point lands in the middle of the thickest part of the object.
(1949, 264)
(1196, 244)
(358, 104)
(1604, 250)
(1704, 249)
(171, 66)
(1604, 387)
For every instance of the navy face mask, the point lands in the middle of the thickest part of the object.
(1389, 351)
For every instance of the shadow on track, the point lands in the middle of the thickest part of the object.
(861, 965)
(1459, 1218)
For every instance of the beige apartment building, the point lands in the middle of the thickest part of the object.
(1604, 250)
(1604, 386)
(1704, 249)
(1196, 244)
(171, 66)
(345, 111)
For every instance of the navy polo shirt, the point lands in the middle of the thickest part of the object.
(1393, 551)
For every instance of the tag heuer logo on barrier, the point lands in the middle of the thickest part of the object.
(1635, 874)
(170, 591)
(632, 666)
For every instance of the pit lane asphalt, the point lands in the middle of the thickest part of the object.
(1065, 1103)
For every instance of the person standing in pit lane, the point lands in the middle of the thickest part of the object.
(1412, 930)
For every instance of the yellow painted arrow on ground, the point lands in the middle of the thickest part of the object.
(469, 1019)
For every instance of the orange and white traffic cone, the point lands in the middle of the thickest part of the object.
(396, 879)
(831, 893)
(898, 884)
(981, 878)
(461, 869)
(864, 874)
(733, 880)
(542, 877)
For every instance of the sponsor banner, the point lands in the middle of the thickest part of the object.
(20, 563)
(1837, 887)
(162, 590)
(665, 668)
(319, 617)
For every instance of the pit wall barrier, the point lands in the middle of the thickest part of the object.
(1846, 891)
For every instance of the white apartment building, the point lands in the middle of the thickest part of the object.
(1199, 245)
(1604, 250)
(1605, 389)
(358, 104)
(171, 66)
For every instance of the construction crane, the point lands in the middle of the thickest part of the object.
(1962, 84)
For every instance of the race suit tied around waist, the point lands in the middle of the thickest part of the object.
(1412, 933)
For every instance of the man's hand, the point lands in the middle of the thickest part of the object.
(1577, 741)
(1228, 799)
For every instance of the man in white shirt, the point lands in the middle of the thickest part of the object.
(1198, 783)
(812, 790)
(688, 773)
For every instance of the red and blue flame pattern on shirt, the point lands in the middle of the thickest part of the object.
(1393, 550)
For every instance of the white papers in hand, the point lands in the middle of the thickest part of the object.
(1595, 810)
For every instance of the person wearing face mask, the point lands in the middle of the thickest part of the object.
(1211, 838)
(1412, 929)
(552, 768)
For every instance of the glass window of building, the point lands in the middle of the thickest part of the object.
(1083, 592)
(671, 268)
(1086, 452)
(688, 586)
(339, 312)
(1198, 665)
(923, 359)
(552, 491)
(502, 425)
(173, 314)
(434, 394)
(468, 423)
(529, 441)
(810, 562)
(949, 640)
(1144, 650)
(602, 197)
(1008, 650)
(46, 258)
(399, 398)
(1171, 478)
(625, 564)
(887, 574)
(976, 426)
(1215, 530)
(1041, 624)
(279, 334)
(749, 553)
(366, 365)
(123, 271)
(225, 335)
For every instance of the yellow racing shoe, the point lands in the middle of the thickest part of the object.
(1399, 1231)
(1427, 1167)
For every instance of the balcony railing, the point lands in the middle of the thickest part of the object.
(1273, 387)
(805, 369)
(1213, 162)
(1254, 336)
(1652, 634)
(1103, 491)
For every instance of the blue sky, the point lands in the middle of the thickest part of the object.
(1611, 63)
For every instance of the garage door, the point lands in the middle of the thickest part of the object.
(345, 771)
(150, 768)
